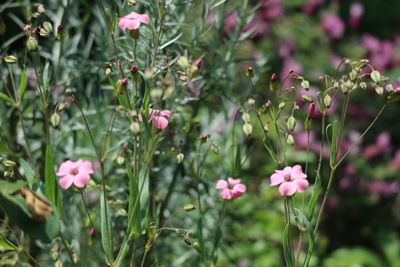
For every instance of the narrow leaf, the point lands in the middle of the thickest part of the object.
(133, 197)
(22, 86)
(335, 143)
(170, 42)
(313, 200)
(6, 98)
(52, 191)
(286, 247)
(311, 237)
(106, 230)
(4, 242)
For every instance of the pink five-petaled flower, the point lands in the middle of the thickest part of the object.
(132, 21)
(291, 179)
(77, 173)
(157, 117)
(231, 189)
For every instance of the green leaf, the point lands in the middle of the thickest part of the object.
(8, 188)
(52, 191)
(106, 230)
(286, 247)
(4, 242)
(133, 197)
(22, 86)
(334, 144)
(314, 198)
(311, 237)
(46, 78)
(144, 197)
(6, 98)
(29, 172)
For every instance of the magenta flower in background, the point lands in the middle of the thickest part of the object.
(77, 173)
(231, 189)
(290, 179)
(356, 13)
(132, 21)
(333, 26)
(158, 117)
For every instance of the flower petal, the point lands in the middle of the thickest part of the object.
(276, 179)
(86, 167)
(66, 181)
(166, 113)
(123, 23)
(287, 188)
(233, 182)
(65, 168)
(226, 193)
(81, 180)
(297, 173)
(144, 18)
(238, 190)
(301, 185)
(221, 184)
(160, 122)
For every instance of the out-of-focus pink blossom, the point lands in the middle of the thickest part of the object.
(356, 12)
(394, 164)
(312, 6)
(77, 173)
(382, 146)
(290, 179)
(272, 10)
(231, 189)
(286, 47)
(333, 26)
(158, 117)
(132, 21)
(383, 189)
(380, 52)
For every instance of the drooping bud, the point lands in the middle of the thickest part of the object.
(389, 88)
(41, 9)
(120, 160)
(376, 76)
(274, 83)
(307, 98)
(131, 2)
(305, 84)
(55, 120)
(251, 101)
(135, 127)
(32, 44)
(189, 207)
(250, 72)
(11, 59)
(379, 90)
(282, 105)
(197, 247)
(291, 123)
(135, 34)
(290, 139)
(2, 26)
(328, 101)
(61, 34)
(108, 72)
(180, 157)
(122, 85)
(247, 129)
(246, 117)
(48, 27)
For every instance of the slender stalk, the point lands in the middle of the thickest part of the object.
(162, 16)
(68, 248)
(220, 219)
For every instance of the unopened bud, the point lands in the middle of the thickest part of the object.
(48, 27)
(122, 86)
(203, 139)
(363, 85)
(55, 120)
(309, 124)
(379, 90)
(215, 149)
(197, 247)
(291, 123)
(32, 44)
(120, 160)
(58, 263)
(187, 241)
(92, 232)
(189, 207)
(290, 139)
(246, 117)
(135, 127)
(41, 9)
(307, 98)
(250, 72)
(247, 129)
(43, 32)
(311, 111)
(281, 105)
(135, 34)
(108, 72)
(198, 63)
(389, 88)
(327, 101)
(131, 2)
(180, 157)
(11, 59)
(273, 83)
(305, 84)
(353, 75)
(251, 101)
(376, 76)
(61, 34)
(10, 164)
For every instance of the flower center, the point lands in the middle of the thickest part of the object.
(74, 172)
(287, 178)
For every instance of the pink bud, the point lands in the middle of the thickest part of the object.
(60, 27)
(311, 111)
(198, 63)
(134, 69)
(92, 232)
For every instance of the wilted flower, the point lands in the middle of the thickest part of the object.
(77, 173)
(291, 179)
(231, 189)
(132, 21)
(158, 117)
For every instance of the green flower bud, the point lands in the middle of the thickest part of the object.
(122, 86)
(379, 90)
(197, 247)
(281, 105)
(250, 72)
(135, 127)
(10, 164)
(246, 117)
(376, 76)
(41, 9)
(11, 59)
(32, 44)
(389, 88)
(274, 83)
(251, 101)
(135, 34)
(55, 120)
(307, 98)
(180, 157)
(48, 27)
(309, 124)
(290, 139)
(291, 123)
(120, 160)
(328, 101)
(247, 129)
(61, 34)
(189, 207)
(305, 84)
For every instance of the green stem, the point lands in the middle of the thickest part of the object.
(68, 248)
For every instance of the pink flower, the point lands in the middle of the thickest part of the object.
(132, 21)
(77, 173)
(291, 179)
(333, 26)
(231, 189)
(157, 117)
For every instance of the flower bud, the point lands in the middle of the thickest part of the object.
(379, 90)
(197, 247)
(247, 129)
(135, 34)
(251, 101)
(120, 160)
(43, 32)
(35, 15)
(92, 232)
(48, 27)
(291, 123)
(189, 207)
(361, 64)
(376, 76)
(41, 9)
(10, 164)
(32, 44)
(198, 63)
(290, 139)
(157, 93)
(55, 120)
(282, 105)
(191, 234)
(215, 149)
(135, 127)
(363, 85)
(309, 124)
(58, 263)
(250, 72)
(305, 84)
(11, 59)
(203, 139)
(122, 86)
(307, 98)
(311, 111)
(180, 157)
(61, 34)
(2, 26)
(328, 101)
(265, 127)
(389, 88)
(246, 117)
(187, 241)
(131, 3)
(273, 83)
